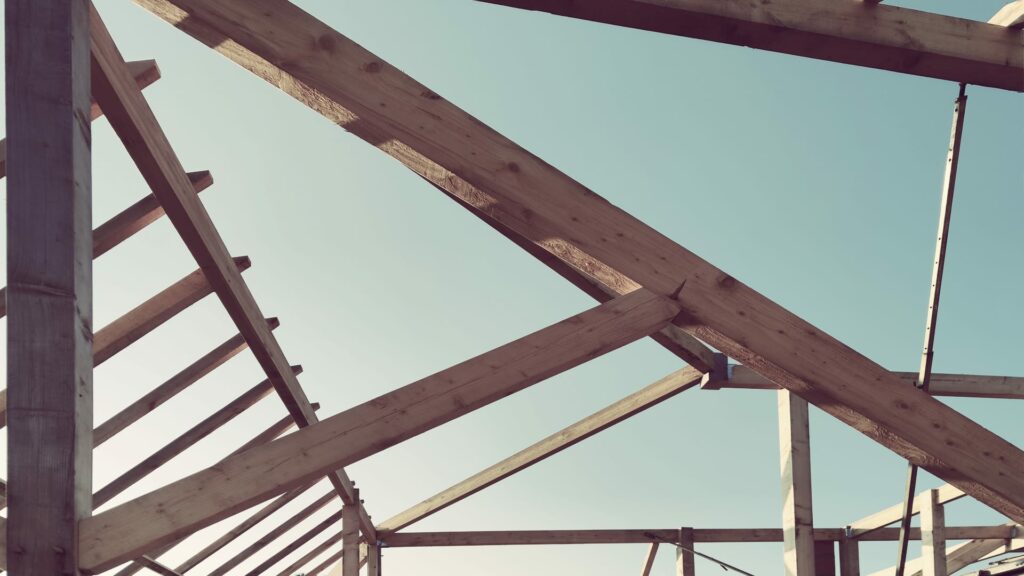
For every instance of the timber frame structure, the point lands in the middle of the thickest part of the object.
(64, 69)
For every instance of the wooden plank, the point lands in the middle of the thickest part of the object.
(137, 127)
(49, 267)
(652, 553)
(947, 493)
(957, 557)
(373, 563)
(795, 464)
(238, 482)
(306, 536)
(1010, 16)
(824, 558)
(640, 536)
(849, 557)
(125, 224)
(327, 563)
(350, 542)
(172, 387)
(145, 73)
(442, 143)
(933, 537)
(635, 403)
(157, 567)
(884, 37)
(296, 566)
(207, 426)
(961, 385)
(685, 560)
(273, 535)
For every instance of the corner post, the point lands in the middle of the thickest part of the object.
(795, 465)
(350, 537)
(933, 539)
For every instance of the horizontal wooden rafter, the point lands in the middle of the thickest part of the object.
(203, 498)
(879, 36)
(457, 152)
(894, 513)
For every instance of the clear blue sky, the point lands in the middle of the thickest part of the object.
(816, 183)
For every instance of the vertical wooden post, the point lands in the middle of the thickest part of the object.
(849, 557)
(373, 560)
(350, 537)
(825, 558)
(684, 553)
(795, 461)
(933, 539)
(49, 273)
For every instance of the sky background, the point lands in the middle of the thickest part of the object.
(815, 183)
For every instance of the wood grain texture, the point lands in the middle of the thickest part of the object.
(880, 36)
(795, 468)
(933, 535)
(631, 405)
(240, 481)
(440, 142)
(349, 542)
(49, 299)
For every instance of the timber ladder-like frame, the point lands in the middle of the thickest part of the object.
(64, 70)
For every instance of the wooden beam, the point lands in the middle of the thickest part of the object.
(685, 560)
(444, 144)
(296, 566)
(957, 557)
(824, 558)
(639, 536)
(169, 389)
(349, 542)
(652, 553)
(795, 463)
(894, 513)
(157, 567)
(125, 224)
(49, 267)
(134, 122)
(306, 536)
(145, 73)
(635, 403)
(273, 534)
(373, 563)
(326, 563)
(238, 482)
(1010, 16)
(880, 36)
(933, 537)
(960, 385)
(849, 557)
(194, 434)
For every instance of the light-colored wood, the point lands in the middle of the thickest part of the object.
(962, 385)
(947, 493)
(240, 481)
(635, 403)
(145, 141)
(145, 73)
(306, 536)
(296, 566)
(795, 469)
(272, 535)
(957, 557)
(453, 150)
(1010, 16)
(350, 541)
(883, 36)
(125, 224)
(685, 560)
(933, 537)
(49, 268)
(194, 434)
(157, 567)
(172, 387)
(639, 536)
(849, 557)
(652, 554)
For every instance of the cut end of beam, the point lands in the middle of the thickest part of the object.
(201, 180)
(273, 322)
(243, 262)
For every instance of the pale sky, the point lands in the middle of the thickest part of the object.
(815, 183)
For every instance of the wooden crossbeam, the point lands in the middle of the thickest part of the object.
(207, 426)
(878, 36)
(137, 127)
(296, 566)
(959, 385)
(272, 535)
(238, 482)
(1010, 16)
(455, 151)
(126, 223)
(172, 387)
(634, 536)
(316, 530)
(327, 562)
(157, 567)
(635, 403)
(946, 494)
(957, 557)
(145, 73)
